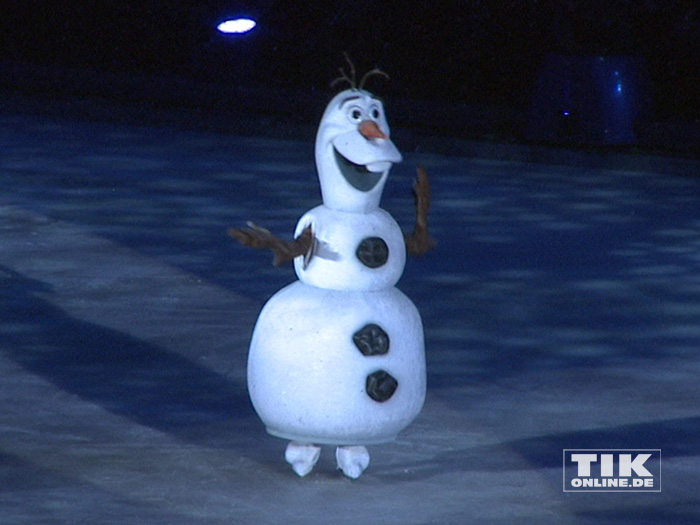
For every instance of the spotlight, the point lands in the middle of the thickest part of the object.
(236, 26)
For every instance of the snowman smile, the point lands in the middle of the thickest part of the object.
(362, 177)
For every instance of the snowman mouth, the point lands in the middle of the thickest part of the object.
(362, 177)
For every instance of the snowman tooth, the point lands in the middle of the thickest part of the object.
(378, 167)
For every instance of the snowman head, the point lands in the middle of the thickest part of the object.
(354, 152)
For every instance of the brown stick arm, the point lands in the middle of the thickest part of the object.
(419, 242)
(261, 238)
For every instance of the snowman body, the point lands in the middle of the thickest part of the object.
(337, 357)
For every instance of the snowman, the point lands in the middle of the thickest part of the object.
(337, 357)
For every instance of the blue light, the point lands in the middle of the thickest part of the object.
(236, 26)
(618, 82)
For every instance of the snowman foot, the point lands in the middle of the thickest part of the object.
(352, 460)
(302, 456)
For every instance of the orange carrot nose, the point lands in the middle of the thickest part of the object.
(369, 129)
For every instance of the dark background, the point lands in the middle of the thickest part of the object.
(480, 56)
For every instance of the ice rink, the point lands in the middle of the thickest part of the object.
(561, 310)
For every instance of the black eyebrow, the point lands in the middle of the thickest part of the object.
(347, 99)
(355, 97)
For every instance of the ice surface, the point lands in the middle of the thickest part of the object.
(560, 309)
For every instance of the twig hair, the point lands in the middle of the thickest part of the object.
(352, 77)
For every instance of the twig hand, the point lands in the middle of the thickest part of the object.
(420, 242)
(261, 238)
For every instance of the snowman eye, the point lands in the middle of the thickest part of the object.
(375, 113)
(355, 114)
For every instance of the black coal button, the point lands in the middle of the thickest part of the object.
(381, 385)
(372, 252)
(371, 340)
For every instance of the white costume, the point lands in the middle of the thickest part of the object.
(337, 358)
